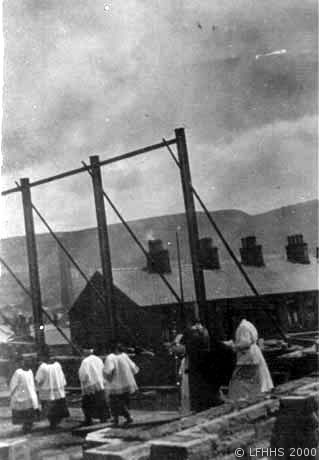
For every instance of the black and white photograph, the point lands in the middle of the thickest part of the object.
(159, 230)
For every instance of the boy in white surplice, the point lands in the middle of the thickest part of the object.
(119, 371)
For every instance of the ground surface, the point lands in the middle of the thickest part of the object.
(42, 438)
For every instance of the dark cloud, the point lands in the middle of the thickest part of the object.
(83, 79)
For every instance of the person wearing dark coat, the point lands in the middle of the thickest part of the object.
(210, 365)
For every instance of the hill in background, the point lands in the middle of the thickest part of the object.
(270, 228)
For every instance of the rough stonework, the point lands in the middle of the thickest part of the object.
(296, 430)
(217, 432)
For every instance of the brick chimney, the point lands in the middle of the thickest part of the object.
(208, 254)
(66, 288)
(251, 253)
(297, 250)
(158, 257)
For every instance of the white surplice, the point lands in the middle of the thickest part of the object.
(51, 381)
(91, 374)
(23, 391)
(119, 370)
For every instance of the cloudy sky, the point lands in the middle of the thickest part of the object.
(87, 77)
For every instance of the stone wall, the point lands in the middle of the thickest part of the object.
(215, 433)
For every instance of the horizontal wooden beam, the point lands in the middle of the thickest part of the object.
(108, 161)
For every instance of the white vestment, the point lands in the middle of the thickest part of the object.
(51, 381)
(119, 370)
(249, 355)
(91, 374)
(23, 392)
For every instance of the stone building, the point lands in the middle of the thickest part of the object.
(287, 283)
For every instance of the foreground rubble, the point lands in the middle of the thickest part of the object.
(215, 433)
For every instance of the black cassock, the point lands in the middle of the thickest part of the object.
(211, 364)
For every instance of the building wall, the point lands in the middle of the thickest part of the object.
(292, 311)
(89, 321)
(152, 326)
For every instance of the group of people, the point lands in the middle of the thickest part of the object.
(208, 364)
(106, 386)
(46, 390)
(106, 389)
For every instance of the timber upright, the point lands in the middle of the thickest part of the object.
(33, 265)
(191, 224)
(104, 244)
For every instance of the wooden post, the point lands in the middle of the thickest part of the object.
(33, 265)
(191, 224)
(105, 253)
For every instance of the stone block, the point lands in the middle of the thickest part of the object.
(183, 447)
(15, 449)
(189, 422)
(53, 454)
(228, 444)
(255, 412)
(218, 411)
(235, 420)
(258, 450)
(300, 403)
(264, 428)
(123, 451)
(100, 442)
(74, 452)
(215, 427)
(306, 389)
(4, 451)
(99, 438)
(76, 456)
(297, 424)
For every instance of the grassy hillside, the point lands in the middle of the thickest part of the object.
(271, 230)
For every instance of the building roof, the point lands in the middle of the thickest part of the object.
(277, 277)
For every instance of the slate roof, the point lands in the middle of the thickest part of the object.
(277, 277)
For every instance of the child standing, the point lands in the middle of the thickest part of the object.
(24, 401)
(119, 371)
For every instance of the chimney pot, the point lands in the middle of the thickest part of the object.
(251, 241)
(251, 253)
(158, 258)
(208, 254)
(155, 245)
(297, 250)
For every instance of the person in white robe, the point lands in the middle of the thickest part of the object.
(51, 385)
(94, 402)
(24, 401)
(119, 371)
(251, 376)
